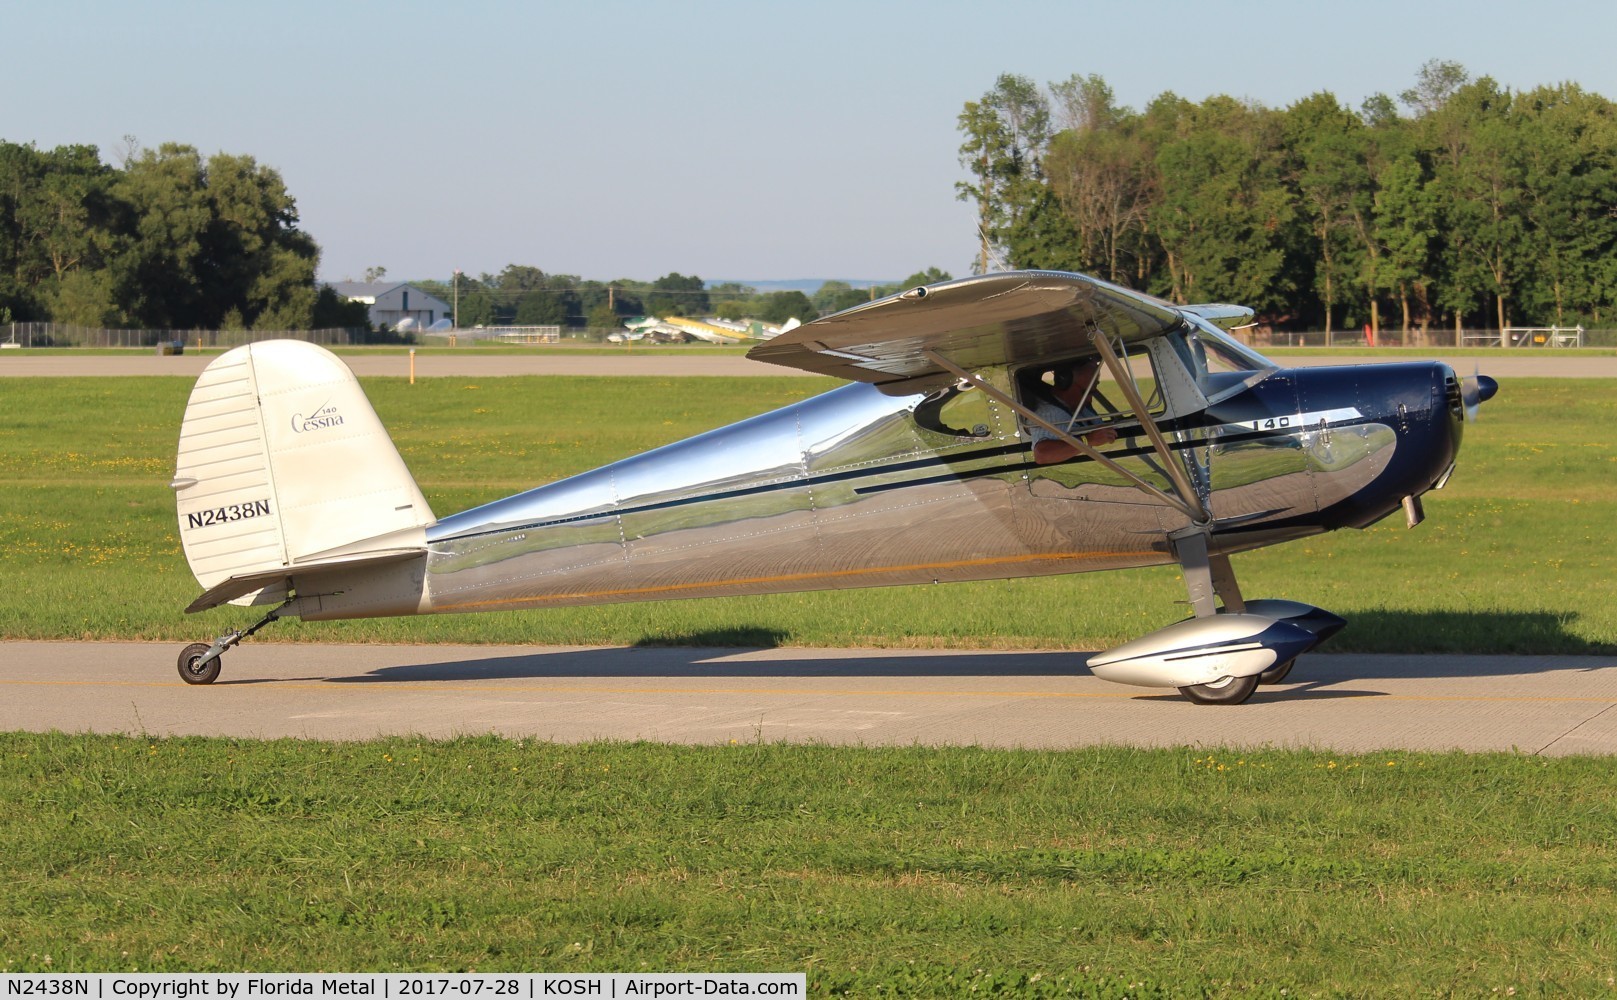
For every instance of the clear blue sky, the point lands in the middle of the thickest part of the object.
(730, 140)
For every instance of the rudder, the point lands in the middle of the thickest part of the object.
(283, 469)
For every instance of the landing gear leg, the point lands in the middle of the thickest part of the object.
(1209, 577)
(200, 663)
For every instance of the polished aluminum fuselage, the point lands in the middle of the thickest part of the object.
(848, 489)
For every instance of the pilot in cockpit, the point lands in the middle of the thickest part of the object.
(1065, 396)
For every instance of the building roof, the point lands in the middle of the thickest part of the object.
(366, 291)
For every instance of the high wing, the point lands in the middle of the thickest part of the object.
(1225, 317)
(994, 319)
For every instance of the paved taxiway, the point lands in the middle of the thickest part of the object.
(1553, 705)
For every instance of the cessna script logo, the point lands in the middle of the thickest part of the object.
(325, 415)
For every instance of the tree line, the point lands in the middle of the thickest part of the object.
(172, 240)
(522, 295)
(1461, 203)
(169, 240)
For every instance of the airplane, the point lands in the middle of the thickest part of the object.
(703, 330)
(753, 329)
(291, 496)
(648, 327)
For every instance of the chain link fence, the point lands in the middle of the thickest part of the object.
(63, 335)
(1536, 338)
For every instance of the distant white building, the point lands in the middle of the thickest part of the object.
(393, 303)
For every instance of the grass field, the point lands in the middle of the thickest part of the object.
(1514, 555)
(879, 872)
(470, 347)
(1102, 872)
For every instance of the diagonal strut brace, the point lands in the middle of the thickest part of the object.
(1170, 464)
(1195, 513)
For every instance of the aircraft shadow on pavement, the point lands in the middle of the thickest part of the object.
(683, 661)
(712, 656)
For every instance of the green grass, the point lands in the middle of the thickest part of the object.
(1102, 872)
(1514, 556)
(908, 871)
(436, 347)
(1417, 352)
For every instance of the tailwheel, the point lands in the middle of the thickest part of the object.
(193, 670)
(1224, 691)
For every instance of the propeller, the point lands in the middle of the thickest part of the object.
(1474, 391)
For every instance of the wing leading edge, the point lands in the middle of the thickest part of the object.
(995, 319)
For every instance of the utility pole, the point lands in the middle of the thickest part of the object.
(454, 297)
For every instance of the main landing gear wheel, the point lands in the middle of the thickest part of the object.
(191, 656)
(1225, 691)
(1277, 673)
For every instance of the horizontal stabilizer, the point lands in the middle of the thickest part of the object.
(275, 583)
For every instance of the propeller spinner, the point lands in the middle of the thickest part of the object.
(1476, 390)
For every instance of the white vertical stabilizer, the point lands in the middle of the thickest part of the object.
(283, 465)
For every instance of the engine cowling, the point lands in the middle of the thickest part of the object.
(1322, 623)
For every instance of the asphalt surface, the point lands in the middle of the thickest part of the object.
(1551, 705)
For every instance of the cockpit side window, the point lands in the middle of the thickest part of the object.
(959, 411)
(1044, 389)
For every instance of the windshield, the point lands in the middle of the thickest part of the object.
(1223, 353)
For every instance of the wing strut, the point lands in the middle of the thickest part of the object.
(1084, 448)
(1175, 471)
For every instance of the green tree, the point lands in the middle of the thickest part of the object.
(930, 276)
(1045, 238)
(1005, 135)
(1568, 141)
(628, 297)
(541, 308)
(84, 297)
(603, 317)
(1479, 177)
(210, 240)
(1101, 172)
(59, 226)
(1435, 82)
(1329, 166)
(332, 311)
(778, 307)
(675, 294)
(257, 260)
(1225, 221)
(477, 303)
(1406, 227)
(835, 296)
(162, 273)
